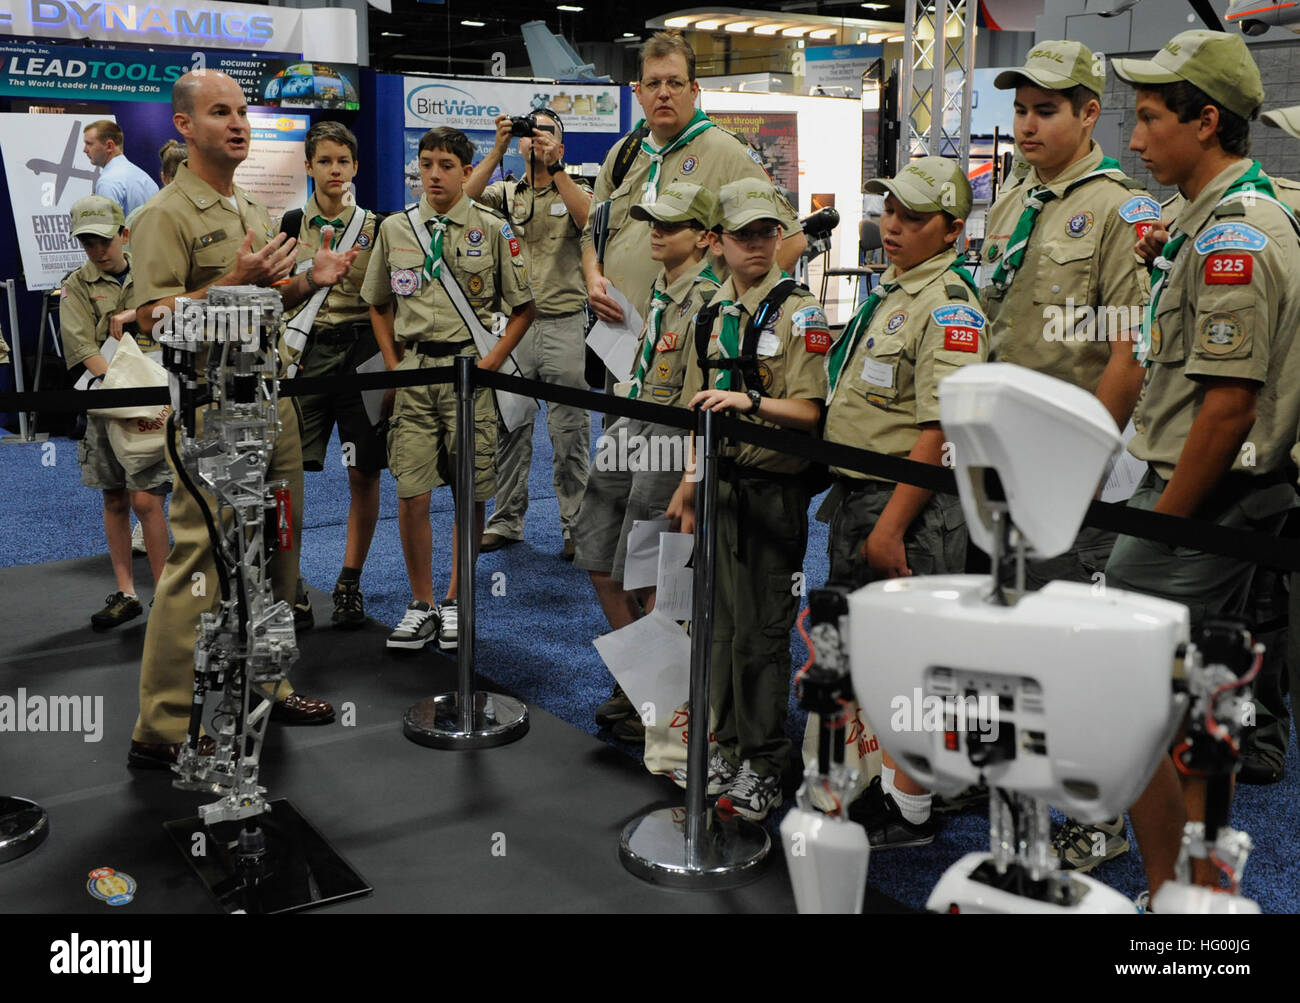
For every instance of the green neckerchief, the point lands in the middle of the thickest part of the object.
(321, 221)
(729, 337)
(1014, 255)
(842, 350)
(433, 261)
(1254, 180)
(699, 123)
(708, 276)
(658, 302)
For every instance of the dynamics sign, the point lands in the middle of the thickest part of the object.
(318, 33)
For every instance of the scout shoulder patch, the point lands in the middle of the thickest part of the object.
(1139, 209)
(1227, 269)
(1221, 334)
(811, 322)
(513, 241)
(954, 314)
(1230, 237)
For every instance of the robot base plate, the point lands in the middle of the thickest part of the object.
(958, 891)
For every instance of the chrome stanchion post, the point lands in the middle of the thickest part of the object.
(26, 422)
(697, 851)
(465, 719)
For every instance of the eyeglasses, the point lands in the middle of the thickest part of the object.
(675, 85)
(755, 234)
(668, 229)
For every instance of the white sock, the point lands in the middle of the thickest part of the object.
(915, 808)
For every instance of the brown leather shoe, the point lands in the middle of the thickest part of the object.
(494, 541)
(298, 709)
(161, 755)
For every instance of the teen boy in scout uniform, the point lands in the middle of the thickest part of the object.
(677, 143)
(1066, 292)
(418, 326)
(199, 231)
(923, 323)
(337, 339)
(92, 309)
(616, 494)
(763, 495)
(547, 211)
(1220, 408)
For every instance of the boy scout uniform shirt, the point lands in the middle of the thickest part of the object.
(666, 371)
(552, 243)
(190, 236)
(1230, 309)
(919, 334)
(484, 256)
(90, 298)
(710, 160)
(787, 366)
(1081, 249)
(344, 304)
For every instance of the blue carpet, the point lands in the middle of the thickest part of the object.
(535, 632)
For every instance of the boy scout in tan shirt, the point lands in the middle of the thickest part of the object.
(93, 308)
(763, 495)
(1220, 408)
(547, 211)
(418, 326)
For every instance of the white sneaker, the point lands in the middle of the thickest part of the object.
(137, 539)
(750, 795)
(449, 632)
(721, 774)
(419, 626)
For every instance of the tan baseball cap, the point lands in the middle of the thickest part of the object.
(743, 201)
(1217, 62)
(96, 215)
(680, 203)
(1057, 66)
(1286, 119)
(928, 184)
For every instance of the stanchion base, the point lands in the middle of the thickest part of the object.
(731, 852)
(300, 869)
(23, 827)
(18, 440)
(435, 721)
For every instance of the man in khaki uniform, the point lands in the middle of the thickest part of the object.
(682, 145)
(93, 309)
(1221, 404)
(547, 211)
(203, 230)
(763, 495)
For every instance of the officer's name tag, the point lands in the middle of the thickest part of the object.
(768, 343)
(879, 374)
(559, 209)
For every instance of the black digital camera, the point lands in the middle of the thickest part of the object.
(526, 125)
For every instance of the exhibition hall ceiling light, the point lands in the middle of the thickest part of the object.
(474, 24)
(569, 8)
(786, 24)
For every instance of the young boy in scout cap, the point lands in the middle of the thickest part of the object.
(921, 324)
(329, 336)
(1066, 291)
(93, 309)
(619, 490)
(1220, 407)
(419, 325)
(763, 357)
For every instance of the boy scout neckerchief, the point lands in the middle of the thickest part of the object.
(842, 350)
(300, 324)
(658, 301)
(1252, 182)
(729, 346)
(699, 123)
(1034, 202)
(516, 410)
(322, 222)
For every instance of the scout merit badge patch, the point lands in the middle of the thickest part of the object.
(405, 281)
(1142, 211)
(1079, 224)
(811, 323)
(667, 342)
(961, 327)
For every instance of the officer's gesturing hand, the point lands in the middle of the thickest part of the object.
(328, 266)
(265, 267)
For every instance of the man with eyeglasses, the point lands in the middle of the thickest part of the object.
(547, 210)
(677, 143)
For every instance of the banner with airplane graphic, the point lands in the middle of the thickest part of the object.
(47, 173)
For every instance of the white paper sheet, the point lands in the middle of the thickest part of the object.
(616, 343)
(373, 399)
(641, 568)
(675, 587)
(651, 659)
(1124, 473)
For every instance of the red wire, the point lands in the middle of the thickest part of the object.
(799, 622)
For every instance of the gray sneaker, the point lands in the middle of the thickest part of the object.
(1082, 847)
(418, 627)
(721, 774)
(750, 795)
(449, 631)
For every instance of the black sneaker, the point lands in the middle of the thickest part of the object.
(1260, 768)
(617, 707)
(630, 729)
(120, 608)
(349, 611)
(975, 794)
(302, 615)
(886, 828)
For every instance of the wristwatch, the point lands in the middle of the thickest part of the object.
(556, 167)
(755, 399)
